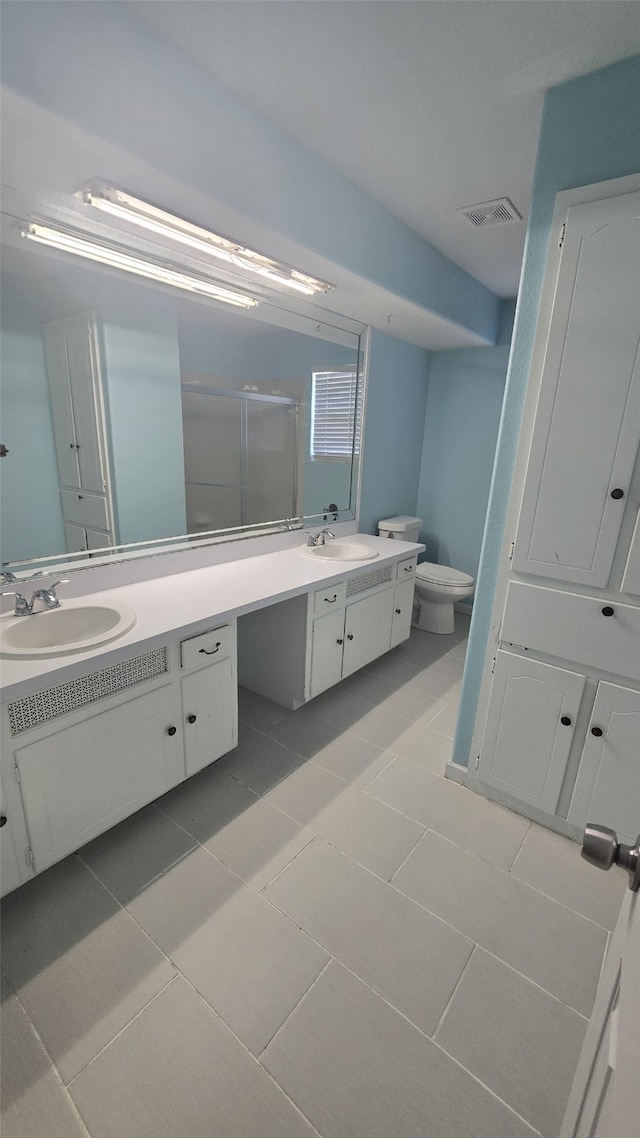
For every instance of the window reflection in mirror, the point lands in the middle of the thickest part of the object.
(132, 414)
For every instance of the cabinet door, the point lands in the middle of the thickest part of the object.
(13, 869)
(80, 780)
(367, 630)
(607, 788)
(532, 713)
(326, 651)
(587, 423)
(402, 610)
(210, 714)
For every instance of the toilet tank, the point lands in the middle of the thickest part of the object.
(402, 527)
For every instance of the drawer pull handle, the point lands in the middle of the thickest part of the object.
(339, 641)
(617, 493)
(565, 720)
(597, 731)
(398, 611)
(191, 718)
(171, 730)
(408, 568)
(349, 636)
(3, 819)
(607, 611)
(213, 650)
(330, 600)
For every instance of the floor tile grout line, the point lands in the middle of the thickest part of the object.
(475, 946)
(250, 1053)
(515, 858)
(397, 1011)
(330, 960)
(146, 884)
(53, 1066)
(534, 983)
(123, 1028)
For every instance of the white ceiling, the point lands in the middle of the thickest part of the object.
(428, 105)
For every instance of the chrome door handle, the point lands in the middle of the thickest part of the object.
(600, 847)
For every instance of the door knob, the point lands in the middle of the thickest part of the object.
(600, 847)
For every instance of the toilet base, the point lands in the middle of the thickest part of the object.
(436, 618)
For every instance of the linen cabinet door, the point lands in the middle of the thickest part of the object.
(402, 611)
(532, 712)
(210, 714)
(367, 630)
(326, 651)
(80, 780)
(607, 788)
(587, 423)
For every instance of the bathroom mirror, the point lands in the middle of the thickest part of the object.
(137, 418)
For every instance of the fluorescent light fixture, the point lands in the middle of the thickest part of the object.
(120, 259)
(124, 206)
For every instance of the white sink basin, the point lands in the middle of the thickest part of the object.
(341, 551)
(74, 627)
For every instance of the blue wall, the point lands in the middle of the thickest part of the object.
(142, 95)
(464, 401)
(589, 134)
(396, 403)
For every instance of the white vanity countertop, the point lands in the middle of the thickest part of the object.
(184, 604)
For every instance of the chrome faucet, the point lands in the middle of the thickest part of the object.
(23, 607)
(320, 537)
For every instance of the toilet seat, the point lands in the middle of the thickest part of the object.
(443, 575)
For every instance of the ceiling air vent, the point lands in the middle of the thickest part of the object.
(498, 212)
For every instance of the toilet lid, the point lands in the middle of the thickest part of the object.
(442, 575)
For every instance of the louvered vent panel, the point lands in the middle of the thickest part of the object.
(496, 212)
(368, 580)
(70, 696)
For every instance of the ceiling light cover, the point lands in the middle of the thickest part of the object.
(82, 246)
(126, 207)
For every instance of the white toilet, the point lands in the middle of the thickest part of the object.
(438, 587)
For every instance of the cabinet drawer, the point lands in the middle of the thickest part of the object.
(85, 509)
(329, 598)
(574, 627)
(406, 569)
(207, 647)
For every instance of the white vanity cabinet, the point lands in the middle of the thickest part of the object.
(84, 754)
(85, 776)
(608, 782)
(293, 651)
(343, 641)
(209, 689)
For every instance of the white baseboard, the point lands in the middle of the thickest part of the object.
(456, 772)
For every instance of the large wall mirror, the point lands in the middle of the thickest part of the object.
(136, 417)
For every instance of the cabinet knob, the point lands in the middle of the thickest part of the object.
(597, 731)
(339, 641)
(349, 636)
(3, 820)
(607, 611)
(191, 718)
(398, 611)
(617, 493)
(565, 720)
(171, 730)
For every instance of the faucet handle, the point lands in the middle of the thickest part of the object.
(22, 606)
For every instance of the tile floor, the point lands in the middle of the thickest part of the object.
(318, 935)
